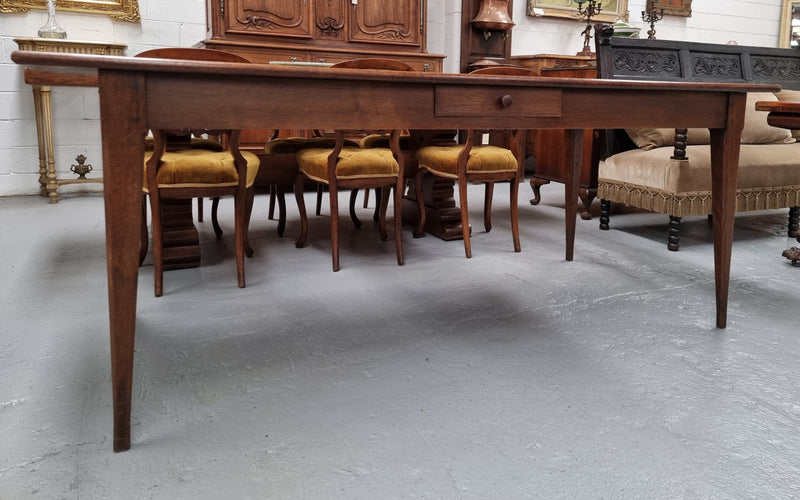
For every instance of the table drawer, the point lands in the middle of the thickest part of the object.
(452, 100)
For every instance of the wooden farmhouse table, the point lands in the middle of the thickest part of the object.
(137, 94)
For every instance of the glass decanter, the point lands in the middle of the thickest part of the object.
(51, 29)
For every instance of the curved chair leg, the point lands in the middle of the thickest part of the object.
(239, 224)
(333, 198)
(214, 220)
(383, 202)
(419, 230)
(353, 216)
(281, 195)
(200, 209)
(158, 246)
(248, 211)
(397, 199)
(299, 188)
(462, 199)
(319, 199)
(376, 214)
(273, 192)
(514, 203)
(144, 237)
(487, 206)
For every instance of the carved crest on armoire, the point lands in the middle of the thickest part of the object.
(322, 31)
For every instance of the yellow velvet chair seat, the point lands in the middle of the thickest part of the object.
(443, 161)
(198, 167)
(282, 168)
(354, 163)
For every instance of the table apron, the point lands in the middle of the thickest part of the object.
(182, 101)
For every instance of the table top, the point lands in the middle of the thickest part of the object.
(124, 63)
(445, 100)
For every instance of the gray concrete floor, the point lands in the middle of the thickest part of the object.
(500, 377)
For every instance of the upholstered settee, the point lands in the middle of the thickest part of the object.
(668, 170)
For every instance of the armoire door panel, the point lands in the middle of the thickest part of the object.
(321, 31)
(386, 23)
(285, 18)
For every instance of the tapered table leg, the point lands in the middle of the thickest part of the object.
(122, 113)
(724, 159)
(573, 158)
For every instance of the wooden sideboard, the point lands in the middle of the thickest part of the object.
(550, 164)
(41, 81)
(548, 145)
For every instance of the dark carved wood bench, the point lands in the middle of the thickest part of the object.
(668, 171)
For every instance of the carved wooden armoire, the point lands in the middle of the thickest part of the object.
(322, 31)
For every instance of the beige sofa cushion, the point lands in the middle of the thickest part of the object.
(756, 129)
(759, 166)
(649, 138)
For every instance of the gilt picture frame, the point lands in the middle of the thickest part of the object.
(610, 10)
(790, 32)
(671, 7)
(120, 10)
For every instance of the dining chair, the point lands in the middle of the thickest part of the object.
(280, 163)
(474, 162)
(176, 170)
(355, 168)
(280, 152)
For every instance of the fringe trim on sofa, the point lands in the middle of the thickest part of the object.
(695, 203)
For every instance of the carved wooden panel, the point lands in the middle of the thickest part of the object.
(776, 68)
(650, 64)
(288, 18)
(379, 21)
(321, 31)
(717, 65)
(329, 19)
(677, 60)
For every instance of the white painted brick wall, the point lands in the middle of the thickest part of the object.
(183, 23)
(76, 127)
